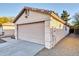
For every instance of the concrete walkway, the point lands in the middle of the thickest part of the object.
(66, 47)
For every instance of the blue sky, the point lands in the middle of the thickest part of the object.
(12, 9)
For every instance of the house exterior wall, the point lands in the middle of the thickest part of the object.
(32, 17)
(58, 31)
(48, 38)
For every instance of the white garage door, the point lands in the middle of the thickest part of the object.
(34, 32)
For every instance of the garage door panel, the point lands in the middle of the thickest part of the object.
(32, 32)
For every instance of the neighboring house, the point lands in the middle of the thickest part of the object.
(8, 26)
(40, 26)
(8, 29)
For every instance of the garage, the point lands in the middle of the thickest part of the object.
(40, 26)
(33, 32)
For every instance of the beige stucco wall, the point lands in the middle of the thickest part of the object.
(58, 31)
(32, 17)
(48, 38)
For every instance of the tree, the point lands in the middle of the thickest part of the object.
(76, 20)
(76, 23)
(56, 13)
(65, 16)
(5, 20)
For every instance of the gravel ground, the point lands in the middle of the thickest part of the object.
(66, 47)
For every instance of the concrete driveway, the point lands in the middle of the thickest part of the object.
(19, 48)
(66, 47)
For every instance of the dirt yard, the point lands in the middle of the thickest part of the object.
(66, 47)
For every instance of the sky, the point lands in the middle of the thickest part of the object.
(12, 9)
